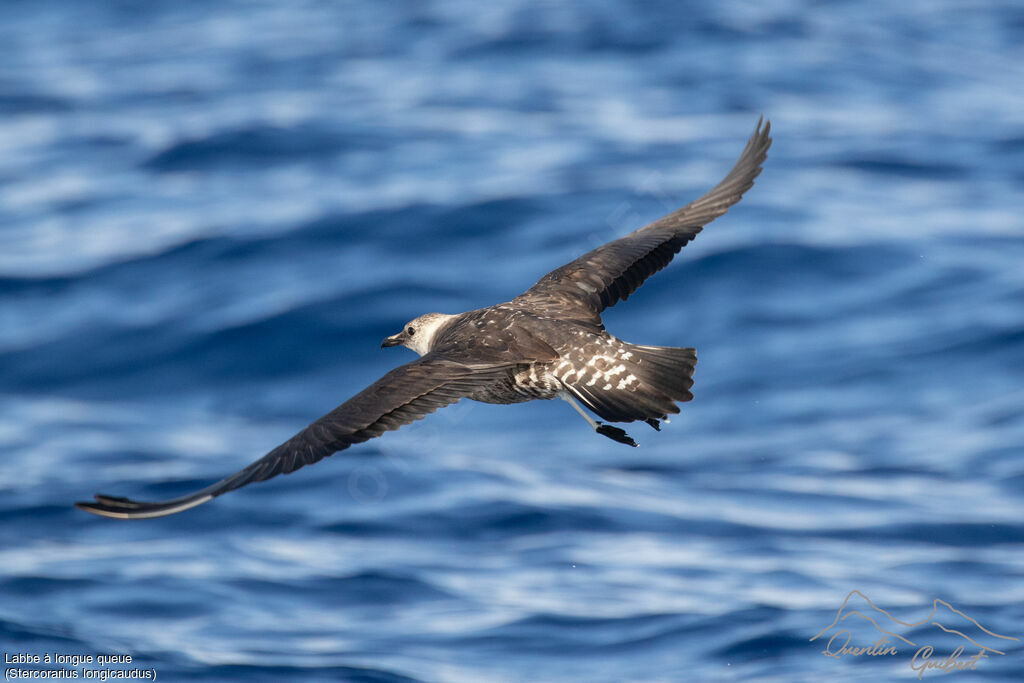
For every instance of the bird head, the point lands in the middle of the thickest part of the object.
(419, 333)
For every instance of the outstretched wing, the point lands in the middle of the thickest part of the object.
(404, 395)
(580, 290)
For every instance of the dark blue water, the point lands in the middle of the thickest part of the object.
(212, 212)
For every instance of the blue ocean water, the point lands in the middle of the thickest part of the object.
(212, 212)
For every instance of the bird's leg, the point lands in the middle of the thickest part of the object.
(612, 432)
(579, 409)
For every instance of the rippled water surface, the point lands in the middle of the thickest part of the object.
(212, 212)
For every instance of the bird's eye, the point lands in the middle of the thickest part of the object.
(410, 330)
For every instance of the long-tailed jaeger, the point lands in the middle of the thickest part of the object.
(548, 342)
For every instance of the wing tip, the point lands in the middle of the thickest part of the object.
(118, 507)
(761, 137)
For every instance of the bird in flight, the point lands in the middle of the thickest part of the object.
(548, 342)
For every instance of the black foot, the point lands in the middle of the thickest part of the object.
(654, 423)
(616, 434)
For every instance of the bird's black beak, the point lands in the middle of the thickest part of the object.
(393, 340)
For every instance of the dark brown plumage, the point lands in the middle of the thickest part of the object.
(613, 271)
(548, 342)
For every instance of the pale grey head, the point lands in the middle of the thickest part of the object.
(419, 333)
